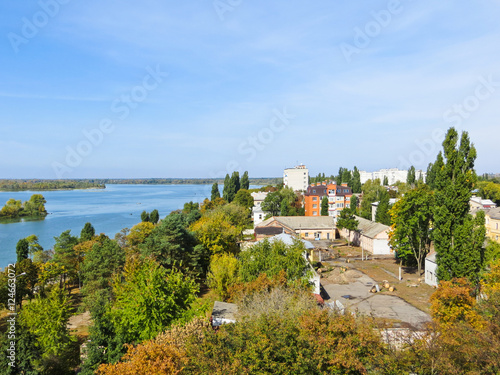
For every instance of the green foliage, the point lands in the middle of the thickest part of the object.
(171, 244)
(458, 237)
(346, 176)
(489, 190)
(433, 170)
(410, 233)
(104, 260)
(34, 207)
(145, 216)
(282, 332)
(271, 258)
(354, 204)
(223, 274)
(148, 299)
(64, 253)
(324, 206)
(227, 188)
(154, 216)
(347, 220)
(244, 198)
(386, 181)
(217, 231)
(411, 178)
(46, 319)
(215, 192)
(87, 233)
(22, 249)
(272, 203)
(382, 215)
(34, 246)
(245, 182)
(356, 181)
(372, 191)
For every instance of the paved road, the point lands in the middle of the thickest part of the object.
(377, 305)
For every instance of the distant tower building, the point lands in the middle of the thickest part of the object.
(297, 178)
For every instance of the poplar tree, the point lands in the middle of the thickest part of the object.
(324, 206)
(215, 192)
(356, 181)
(87, 233)
(225, 190)
(382, 214)
(245, 182)
(458, 237)
(411, 178)
(386, 181)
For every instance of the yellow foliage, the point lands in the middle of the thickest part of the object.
(139, 233)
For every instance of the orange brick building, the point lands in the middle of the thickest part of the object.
(339, 197)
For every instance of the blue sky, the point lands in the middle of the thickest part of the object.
(241, 84)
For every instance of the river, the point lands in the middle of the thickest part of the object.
(109, 210)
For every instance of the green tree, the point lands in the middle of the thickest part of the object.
(386, 181)
(244, 198)
(346, 176)
(216, 232)
(410, 233)
(411, 178)
(372, 190)
(145, 216)
(324, 206)
(272, 203)
(354, 204)
(87, 233)
(215, 192)
(34, 246)
(154, 216)
(347, 220)
(227, 188)
(356, 181)
(100, 263)
(47, 319)
(148, 299)
(433, 170)
(223, 274)
(245, 182)
(458, 237)
(271, 258)
(65, 255)
(27, 353)
(382, 215)
(22, 249)
(234, 186)
(12, 208)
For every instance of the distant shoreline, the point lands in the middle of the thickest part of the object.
(13, 185)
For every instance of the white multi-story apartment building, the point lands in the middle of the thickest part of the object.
(393, 175)
(297, 178)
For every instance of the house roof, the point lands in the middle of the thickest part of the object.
(288, 240)
(370, 228)
(494, 213)
(301, 222)
(259, 195)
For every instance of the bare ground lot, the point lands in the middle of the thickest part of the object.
(350, 276)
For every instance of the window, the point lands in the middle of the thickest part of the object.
(315, 199)
(340, 205)
(260, 216)
(496, 226)
(315, 206)
(315, 213)
(347, 205)
(314, 191)
(307, 234)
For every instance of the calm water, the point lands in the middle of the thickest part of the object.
(109, 210)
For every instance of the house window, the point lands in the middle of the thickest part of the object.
(260, 216)
(496, 226)
(315, 206)
(347, 205)
(340, 205)
(314, 191)
(315, 213)
(307, 234)
(315, 198)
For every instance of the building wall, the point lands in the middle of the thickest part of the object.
(336, 202)
(430, 273)
(492, 228)
(393, 175)
(297, 178)
(312, 234)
